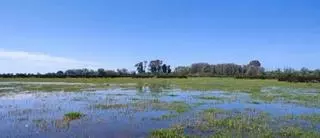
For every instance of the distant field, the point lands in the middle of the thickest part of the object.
(198, 83)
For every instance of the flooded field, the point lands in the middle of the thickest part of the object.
(158, 109)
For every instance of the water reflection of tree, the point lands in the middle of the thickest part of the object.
(62, 124)
(153, 87)
(59, 125)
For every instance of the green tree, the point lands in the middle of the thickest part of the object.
(155, 66)
(140, 68)
(101, 72)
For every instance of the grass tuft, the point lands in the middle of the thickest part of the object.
(175, 132)
(73, 116)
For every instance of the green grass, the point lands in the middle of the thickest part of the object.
(73, 116)
(288, 96)
(227, 84)
(61, 87)
(314, 118)
(175, 132)
(296, 132)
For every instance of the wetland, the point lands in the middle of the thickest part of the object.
(127, 107)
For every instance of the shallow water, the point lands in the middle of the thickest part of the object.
(41, 114)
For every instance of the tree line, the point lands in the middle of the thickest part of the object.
(254, 68)
(157, 68)
(72, 73)
(154, 68)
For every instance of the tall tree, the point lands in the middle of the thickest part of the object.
(155, 66)
(255, 63)
(140, 68)
(304, 71)
(164, 68)
(60, 73)
(101, 72)
(168, 69)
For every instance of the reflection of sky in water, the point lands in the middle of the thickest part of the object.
(19, 111)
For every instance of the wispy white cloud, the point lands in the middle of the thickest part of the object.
(22, 61)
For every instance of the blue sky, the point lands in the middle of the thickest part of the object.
(43, 35)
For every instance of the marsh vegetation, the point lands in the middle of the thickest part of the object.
(150, 107)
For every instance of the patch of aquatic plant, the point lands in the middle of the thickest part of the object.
(236, 123)
(210, 98)
(289, 96)
(198, 104)
(165, 117)
(67, 87)
(297, 132)
(249, 123)
(111, 106)
(144, 104)
(176, 106)
(174, 132)
(73, 116)
(312, 118)
(156, 104)
(49, 88)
